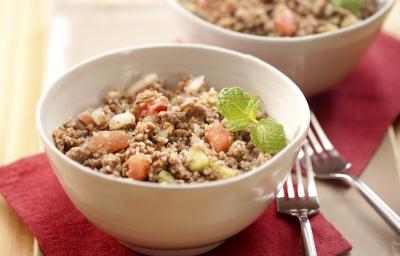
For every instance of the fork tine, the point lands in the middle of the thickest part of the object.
(311, 188)
(289, 186)
(300, 156)
(300, 186)
(281, 192)
(321, 134)
(314, 142)
(300, 206)
(314, 153)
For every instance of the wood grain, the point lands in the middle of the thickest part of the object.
(392, 22)
(15, 238)
(23, 36)
(23, 33)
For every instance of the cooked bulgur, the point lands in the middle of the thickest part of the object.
(147, 132)
(282, 17)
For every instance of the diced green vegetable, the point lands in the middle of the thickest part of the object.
(165, 176)
(331, 27)
(348, 21)
(355, 6)
(211, 96)
(197, 161)
(222, 171)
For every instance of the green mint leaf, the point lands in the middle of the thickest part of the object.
(238, 106)
(237, 126)
(268, 136)
(241, 109)
(355, 6)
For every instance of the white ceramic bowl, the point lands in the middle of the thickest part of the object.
(313, 62)
(172, 219)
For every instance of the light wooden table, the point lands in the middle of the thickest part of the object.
(24, 27)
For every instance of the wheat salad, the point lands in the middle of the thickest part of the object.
(191, 133)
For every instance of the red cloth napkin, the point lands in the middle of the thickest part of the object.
(355, 115)
(32, 190)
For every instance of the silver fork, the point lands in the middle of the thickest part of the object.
(302, 205)
(329, 164)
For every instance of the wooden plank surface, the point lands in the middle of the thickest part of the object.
(23, 37)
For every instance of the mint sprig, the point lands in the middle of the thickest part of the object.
(355, 6)
(268, 136)
(241, 109)
(238, 107)
(237, 126)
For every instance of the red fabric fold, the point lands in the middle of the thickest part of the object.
(355, 115)
(32, 190)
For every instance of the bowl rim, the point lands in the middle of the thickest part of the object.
(363, 23)
(56, 84)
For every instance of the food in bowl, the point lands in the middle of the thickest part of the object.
(282, 18)
(152, 218)
(189, 134)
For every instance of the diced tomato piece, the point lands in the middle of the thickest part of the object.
(86, 118)
(112, 141)
(143, 112)
(285, 21)
(139, 167)
(218, 137)
(158, 105)
(203, 3)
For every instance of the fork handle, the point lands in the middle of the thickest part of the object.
(308, 238)
(391, 218)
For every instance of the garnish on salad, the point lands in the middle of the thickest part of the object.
(191, 133)
(355, 6)
(241, 110)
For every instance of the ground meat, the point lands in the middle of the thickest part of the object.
(194, 112)
(111, 163)
(172, 116)
(79, 154)
(278, 17)
(66, 138)
(169, 124)
(238, 149)
(145, 130)
(117, 100)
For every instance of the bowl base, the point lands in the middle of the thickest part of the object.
(178, 252)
